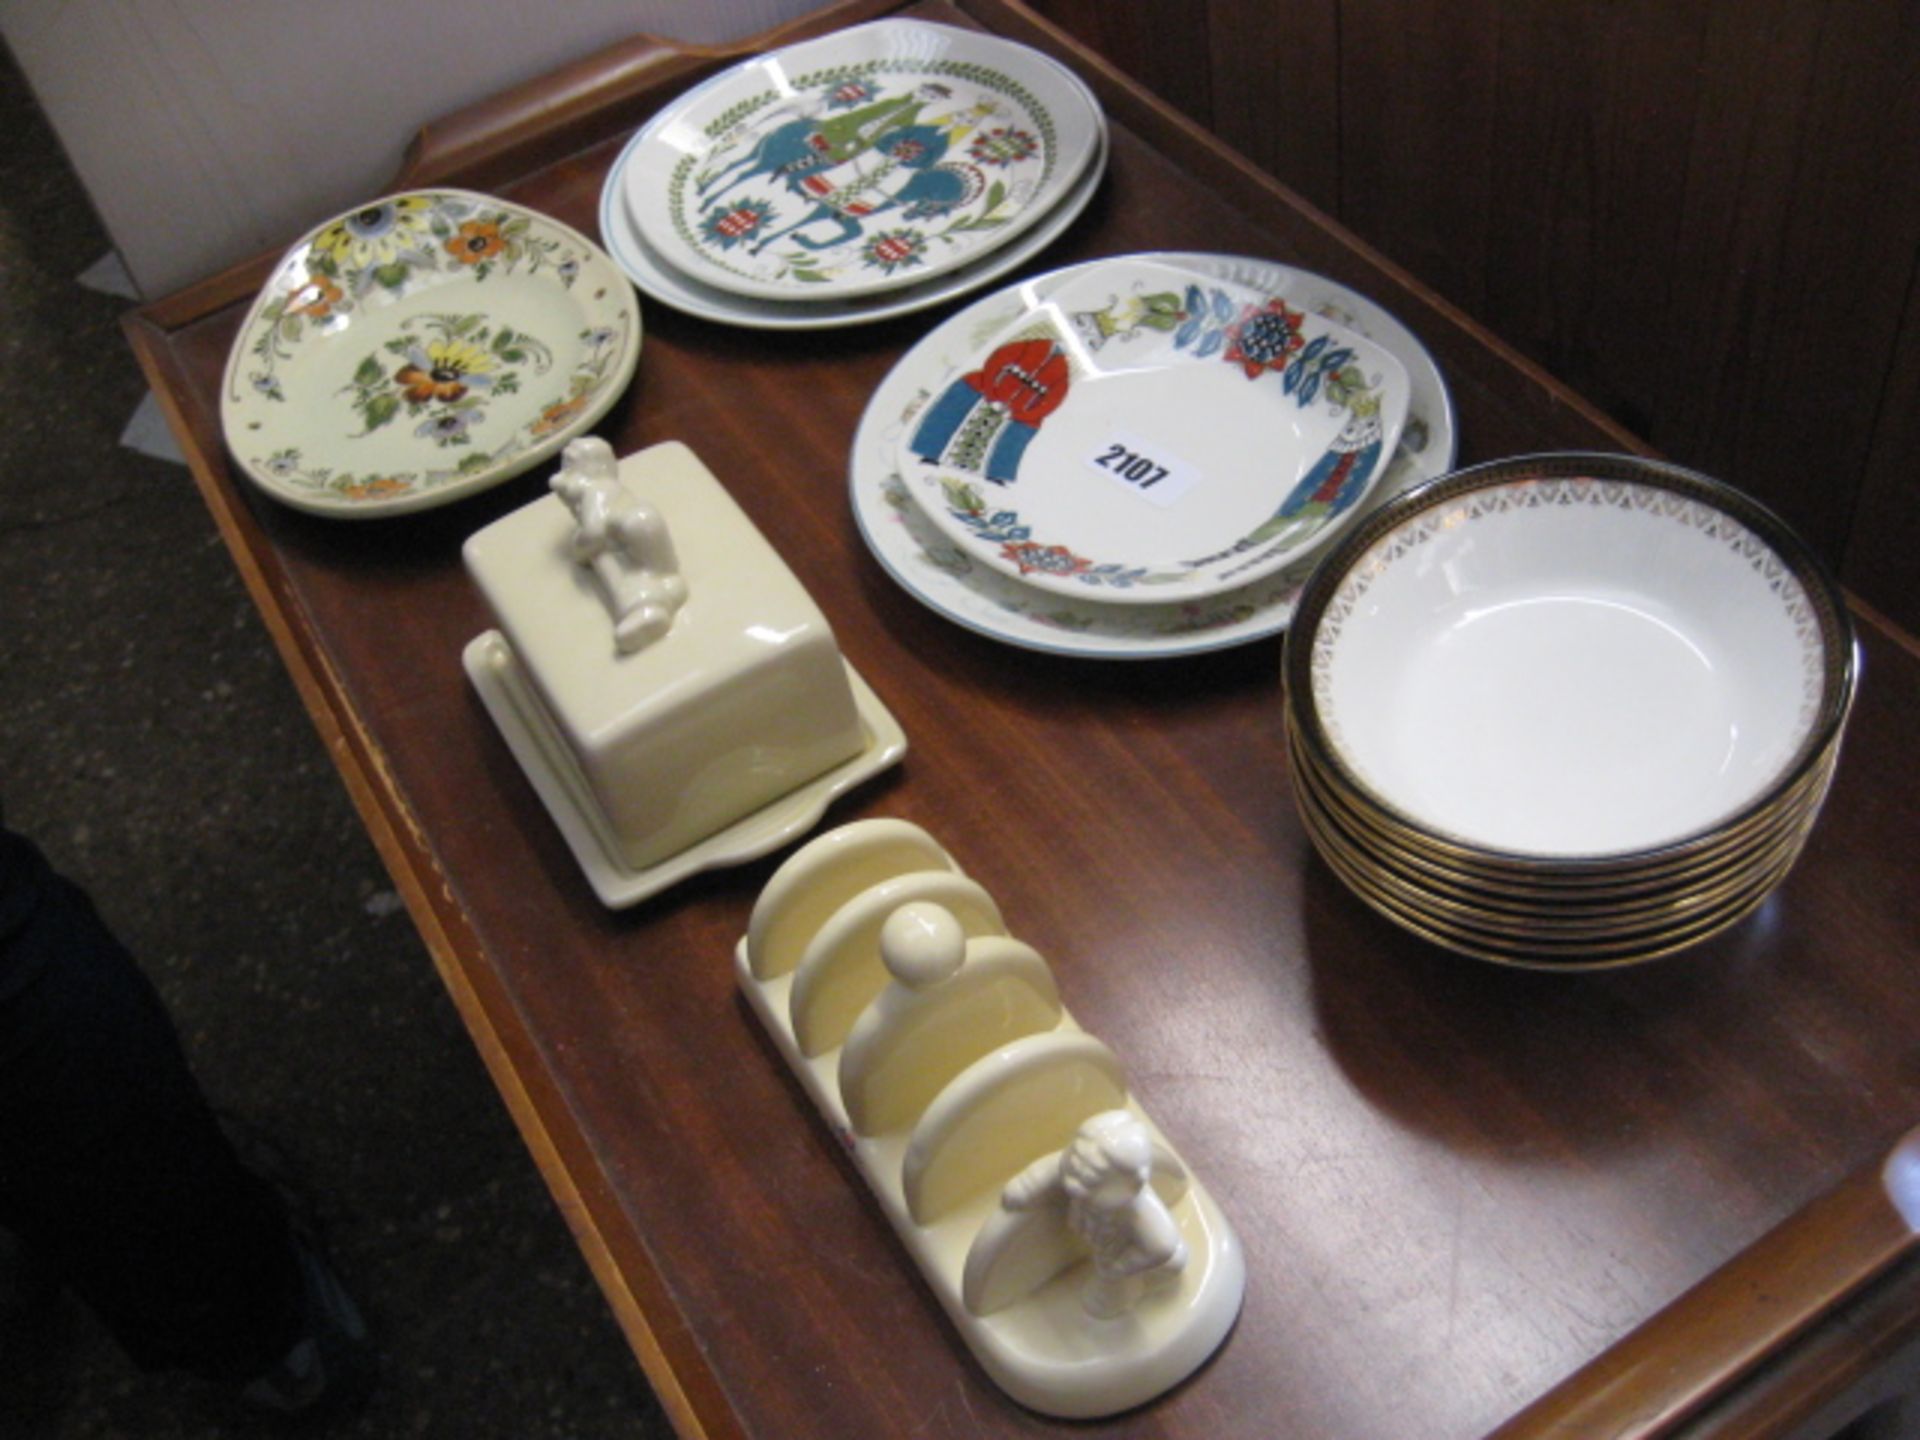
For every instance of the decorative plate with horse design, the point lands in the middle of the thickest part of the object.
(862, 162)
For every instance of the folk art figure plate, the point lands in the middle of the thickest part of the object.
(1145, 434)
(659, 280)
(862, 162)
(422, 348)
(946, 577)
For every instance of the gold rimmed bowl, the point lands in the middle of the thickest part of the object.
(1607, 888)
(1568, 707)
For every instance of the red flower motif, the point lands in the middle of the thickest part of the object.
(1265, 338)
(1033, 558)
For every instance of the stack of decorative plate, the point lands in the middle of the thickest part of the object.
(869, 173)
(1567, 710)
(1140, 456)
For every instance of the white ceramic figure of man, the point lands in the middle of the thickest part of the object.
(623, 541)
(1103, 1179)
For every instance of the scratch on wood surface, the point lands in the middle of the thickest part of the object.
(938, 1415)
(1455, 1247)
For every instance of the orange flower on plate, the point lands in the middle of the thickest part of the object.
(316, 298)
(375, 486)
(478, 240)
(558, 415)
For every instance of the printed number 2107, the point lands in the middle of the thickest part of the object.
(1143, 469)
(1131, 466)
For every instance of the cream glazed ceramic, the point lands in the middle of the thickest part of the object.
(670, 688)
(1084, 1265)
(1147, 434)
(867, 160)
(421, 348)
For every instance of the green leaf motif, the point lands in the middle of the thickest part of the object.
(369, 372)
(392, 276)
(381, 409)
(962, 496)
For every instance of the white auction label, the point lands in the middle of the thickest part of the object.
(1146, 469)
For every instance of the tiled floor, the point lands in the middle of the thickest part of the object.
(151, 743)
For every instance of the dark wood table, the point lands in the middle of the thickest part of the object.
(1645, 1201)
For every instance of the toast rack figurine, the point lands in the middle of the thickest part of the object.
(1100, 1181)
(1080, 1261)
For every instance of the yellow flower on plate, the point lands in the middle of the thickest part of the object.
(377, 234)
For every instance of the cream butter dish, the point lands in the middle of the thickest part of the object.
(671, 690)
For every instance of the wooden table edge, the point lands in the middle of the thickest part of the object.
(686, 1388)
(1743, 1329)
(583, 104)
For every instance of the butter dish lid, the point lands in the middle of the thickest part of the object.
(609, 609)
(673, 694)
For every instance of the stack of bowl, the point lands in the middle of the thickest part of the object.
(1566, 710)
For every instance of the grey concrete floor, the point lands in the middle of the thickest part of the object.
(153, 746)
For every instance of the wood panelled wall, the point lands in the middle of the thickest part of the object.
(1702, 214)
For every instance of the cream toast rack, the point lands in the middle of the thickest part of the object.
(1084, 1266)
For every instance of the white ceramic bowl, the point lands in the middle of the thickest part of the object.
(1570, 656)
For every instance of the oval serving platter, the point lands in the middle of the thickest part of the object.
(422, 348)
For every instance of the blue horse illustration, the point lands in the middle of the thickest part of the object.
(798, 148)
(930, 188)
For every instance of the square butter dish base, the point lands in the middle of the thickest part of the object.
(503, 689)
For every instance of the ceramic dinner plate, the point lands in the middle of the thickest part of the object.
(864, 161)
(947, 579)
(1146, 433)
(422, 348)
(662, 281)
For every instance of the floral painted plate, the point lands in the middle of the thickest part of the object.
(1149, 434)
(422, 348)
(865, 161)
(944, 577)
